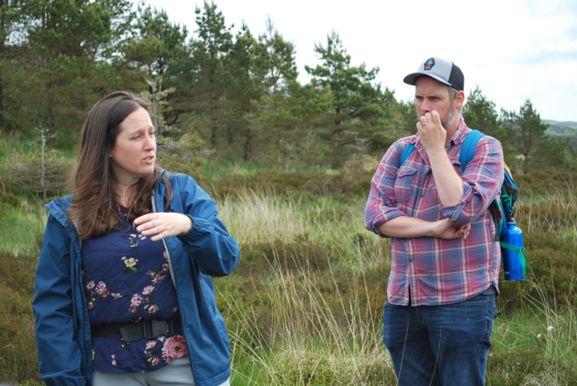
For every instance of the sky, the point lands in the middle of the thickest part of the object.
(513, 50)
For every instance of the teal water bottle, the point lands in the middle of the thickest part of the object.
(513, 252)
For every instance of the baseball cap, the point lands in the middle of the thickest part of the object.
(441, 70)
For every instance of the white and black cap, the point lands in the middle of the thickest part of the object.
(441, 70)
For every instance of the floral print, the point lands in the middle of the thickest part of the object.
(149, 289)
(174, 348)
(94, 291)
(127, 280)
(165, 350)
(146, 299)
(135, 302)
(151, 358)
(130, 264)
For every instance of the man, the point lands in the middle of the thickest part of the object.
(445, 258)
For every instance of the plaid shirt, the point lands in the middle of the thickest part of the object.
(434, 271)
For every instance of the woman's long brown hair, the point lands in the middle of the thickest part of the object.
(95, 209)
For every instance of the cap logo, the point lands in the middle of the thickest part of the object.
(429, 64)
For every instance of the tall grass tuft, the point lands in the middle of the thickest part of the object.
(22, 224)
(315, 332)
(554, 212)
(17, 346)
(264, 220)
(536, 345)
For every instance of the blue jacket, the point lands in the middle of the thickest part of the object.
(63, 335)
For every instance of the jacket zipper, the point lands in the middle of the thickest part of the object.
(173, 277)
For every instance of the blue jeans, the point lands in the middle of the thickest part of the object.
(440, 345)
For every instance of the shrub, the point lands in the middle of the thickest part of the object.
(294, 183)
(17, 344)
(32, 176)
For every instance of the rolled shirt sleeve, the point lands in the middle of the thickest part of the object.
(382, 205)
(482, 180)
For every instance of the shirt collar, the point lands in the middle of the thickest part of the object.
(459, 135)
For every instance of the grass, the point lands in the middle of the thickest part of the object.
(320, 333)
(304, 306)
(22, 226)
(212, 169)
(309, 323)
(550, 213)
(17, 353)
(537, 345)
(271, 224)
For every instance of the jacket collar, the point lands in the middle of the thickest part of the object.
(58, 208)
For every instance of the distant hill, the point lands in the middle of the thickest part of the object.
(561, 128)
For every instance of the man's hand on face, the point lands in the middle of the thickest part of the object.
(431, 132)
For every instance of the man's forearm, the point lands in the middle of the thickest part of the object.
(449, 184)
(410, 227)
(407, 227)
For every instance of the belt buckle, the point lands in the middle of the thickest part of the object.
(130, 333)
(154, 328)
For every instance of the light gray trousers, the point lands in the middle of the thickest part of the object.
(175, 374)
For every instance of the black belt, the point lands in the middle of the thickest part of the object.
(148, 329)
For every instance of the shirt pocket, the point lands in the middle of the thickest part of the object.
(407, 179)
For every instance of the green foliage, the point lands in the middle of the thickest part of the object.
(353, 97)
(297, 183)
(238, 92)
(281, 69)
(185, 154)
(398, 119)
(556, 151)
(539, 183)
(35, 176)
(17, 354)
(305, 303)
(534, 346)
(209, 72)
(28, 168)
(22, 223)
(59, 60)
(156, 43)
(481, 113)
(526, 131)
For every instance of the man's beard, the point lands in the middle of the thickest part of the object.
(449, 121)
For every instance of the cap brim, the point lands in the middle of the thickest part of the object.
(412, 78)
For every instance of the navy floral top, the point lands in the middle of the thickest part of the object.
(127, 279)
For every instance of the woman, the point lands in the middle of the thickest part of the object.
(123, 290)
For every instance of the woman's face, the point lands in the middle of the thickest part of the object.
(134, 152)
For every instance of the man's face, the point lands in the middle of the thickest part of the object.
(431, 95)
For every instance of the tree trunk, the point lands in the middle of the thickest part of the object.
(213, 120)
(248, 140)
(337, 139)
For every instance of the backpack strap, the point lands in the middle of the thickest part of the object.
(468, 148)
(466, 154)
(406, 153)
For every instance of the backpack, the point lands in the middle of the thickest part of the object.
(502, 210)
